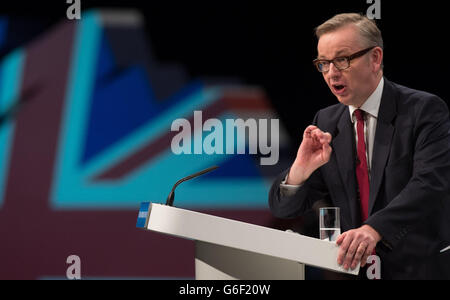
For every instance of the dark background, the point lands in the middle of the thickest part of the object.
(272, 44)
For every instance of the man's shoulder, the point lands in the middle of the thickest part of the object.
(413, 104)
(328, 118)
(332, 112)
(410, 96)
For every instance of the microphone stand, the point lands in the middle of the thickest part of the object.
(171, 196)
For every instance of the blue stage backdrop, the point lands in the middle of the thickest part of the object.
(85, 137)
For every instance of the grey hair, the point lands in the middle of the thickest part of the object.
(368, 30)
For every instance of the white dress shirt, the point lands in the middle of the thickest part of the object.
(370, 107)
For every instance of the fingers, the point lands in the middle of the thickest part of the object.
(360, 251)
(355, 246)
(327, 137)
(350, 255)
(308, 130)
(344, 242)
(340, 238)
(365, 257)
(327, 151)
(315, 133)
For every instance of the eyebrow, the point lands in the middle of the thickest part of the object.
(339, 53)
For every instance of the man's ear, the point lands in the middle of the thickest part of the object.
(377, 58)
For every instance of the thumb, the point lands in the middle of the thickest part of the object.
(327, 151)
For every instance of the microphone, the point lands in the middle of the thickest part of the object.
(171, 196)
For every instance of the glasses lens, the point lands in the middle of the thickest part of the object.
(341, 63)
(322, 66)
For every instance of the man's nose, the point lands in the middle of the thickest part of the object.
(333, 71)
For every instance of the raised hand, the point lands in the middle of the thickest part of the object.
(314, 152)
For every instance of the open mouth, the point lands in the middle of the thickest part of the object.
(338, 88)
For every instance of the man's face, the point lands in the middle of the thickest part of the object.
(354, 85)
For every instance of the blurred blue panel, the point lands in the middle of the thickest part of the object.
(10, 78)
(117, 109)
(3, 30)
(112, 112)
(106, 61)
(242, 165)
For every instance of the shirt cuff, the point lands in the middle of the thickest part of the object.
(288, 190)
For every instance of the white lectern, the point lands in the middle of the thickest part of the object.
(229, 249)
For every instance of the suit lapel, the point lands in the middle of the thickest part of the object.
(343, 145)
(382, 143)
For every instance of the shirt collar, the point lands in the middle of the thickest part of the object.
(372, 104)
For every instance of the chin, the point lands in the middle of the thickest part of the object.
(345, 100)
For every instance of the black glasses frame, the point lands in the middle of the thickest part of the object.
(349, 58)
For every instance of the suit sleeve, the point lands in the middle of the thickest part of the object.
(429, 184)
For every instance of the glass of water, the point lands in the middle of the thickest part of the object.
(329, 223)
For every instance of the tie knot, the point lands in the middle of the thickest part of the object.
(359, 114)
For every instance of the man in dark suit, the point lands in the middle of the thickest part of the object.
(382, 155)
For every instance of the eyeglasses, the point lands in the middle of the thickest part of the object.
(341, 62)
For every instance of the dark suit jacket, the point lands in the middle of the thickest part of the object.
(409, 201)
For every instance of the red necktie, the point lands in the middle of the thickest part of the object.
(362, 172)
